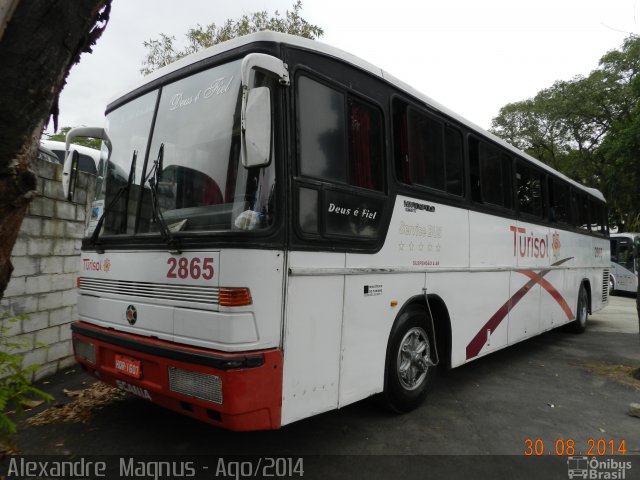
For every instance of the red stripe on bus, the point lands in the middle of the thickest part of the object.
(553, 292)
(476, 344)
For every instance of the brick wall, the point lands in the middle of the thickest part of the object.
(46, 259)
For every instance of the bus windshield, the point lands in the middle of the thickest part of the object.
(200, 183)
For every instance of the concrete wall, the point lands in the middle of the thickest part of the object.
(46, 260)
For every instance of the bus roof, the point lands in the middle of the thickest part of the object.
(314, 45)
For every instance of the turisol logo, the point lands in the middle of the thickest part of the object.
(530, 245)
(96, 266)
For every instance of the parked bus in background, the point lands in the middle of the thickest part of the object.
(88, 158)
(624, 262)
(282, 229)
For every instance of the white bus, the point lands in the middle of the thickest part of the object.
(625, 263)
(293, 230)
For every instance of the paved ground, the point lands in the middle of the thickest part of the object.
(555, 389)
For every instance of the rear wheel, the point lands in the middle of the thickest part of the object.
(410, 373)
(579, 325)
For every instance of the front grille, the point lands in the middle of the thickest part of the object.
(194, 384)
(181, 293)
(605, 285)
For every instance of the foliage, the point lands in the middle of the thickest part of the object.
(61, 136)
(15, 384)
(163, 51)
(589, 129)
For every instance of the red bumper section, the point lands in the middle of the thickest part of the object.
(249, 385)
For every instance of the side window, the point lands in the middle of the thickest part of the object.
(364, 131)
(625, 253)
(427, 152)
(614, 249)
(581, 212)
(339, 137)
(597, 216)
(559, 201)
(322, 142)
(529, 189)
(340, 146)
(491, 180)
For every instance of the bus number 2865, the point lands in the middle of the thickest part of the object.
(195, 268)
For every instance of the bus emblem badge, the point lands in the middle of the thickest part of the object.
(132, 314)
(555, 244)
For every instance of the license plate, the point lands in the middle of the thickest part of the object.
(129, 366)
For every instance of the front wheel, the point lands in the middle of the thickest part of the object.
(410, 372)
(579, 325)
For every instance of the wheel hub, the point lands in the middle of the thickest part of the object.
(414, 358)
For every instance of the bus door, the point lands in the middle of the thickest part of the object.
(339, 204)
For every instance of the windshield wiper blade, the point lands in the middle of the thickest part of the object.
(156, 213)
(96, 232)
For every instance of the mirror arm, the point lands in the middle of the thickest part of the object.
(265, 62)
(93, 132)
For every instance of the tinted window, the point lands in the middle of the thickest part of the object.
(559, 201)
(365, 146)
(490, 174)
(597, 216)
(529, 189)
(339, 137)
(321, 131)
(308, 210)
(580, 208)
(623, 252)
(428, 153)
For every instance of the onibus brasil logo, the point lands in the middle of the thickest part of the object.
(597, 468)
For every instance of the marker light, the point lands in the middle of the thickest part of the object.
(234, 297)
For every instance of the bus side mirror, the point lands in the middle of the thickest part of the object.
(70, 174)
(255, 115)
(72, 157)
(256, 131)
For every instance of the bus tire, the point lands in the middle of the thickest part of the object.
(612, 285)
(408, 377)
(579, 325)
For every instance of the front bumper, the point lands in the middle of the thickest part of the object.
(248, 385)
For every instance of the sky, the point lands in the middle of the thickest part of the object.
(472, 56)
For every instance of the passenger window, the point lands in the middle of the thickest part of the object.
(491, 180)
(321, 131)
(366, 167)
(581, 218)
(559, 201)
(598, 216)
(428, 153)
(339, 137)
(308, 210)
(529, 185)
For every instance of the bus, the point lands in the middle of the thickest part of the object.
(625, 264)
(88, 158)
(282, 229)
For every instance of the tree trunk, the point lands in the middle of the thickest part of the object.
(41, 41)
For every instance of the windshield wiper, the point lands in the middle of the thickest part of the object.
(96, 232)
(156, 213)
